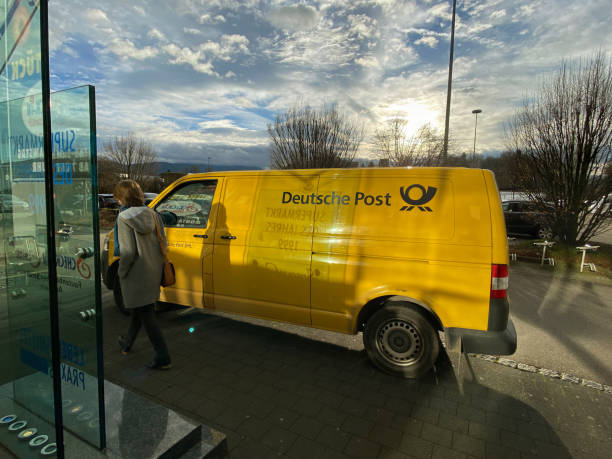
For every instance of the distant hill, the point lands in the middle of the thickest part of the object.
(164, 166)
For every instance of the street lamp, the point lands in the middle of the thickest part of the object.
(475, 112)
(448, 89)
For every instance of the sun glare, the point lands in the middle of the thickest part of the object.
(415, 114)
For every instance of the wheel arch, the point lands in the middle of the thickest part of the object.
(378, 303)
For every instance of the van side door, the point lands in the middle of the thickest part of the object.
(263, 244)
(189, 212)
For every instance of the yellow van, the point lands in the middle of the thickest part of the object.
(398, 254)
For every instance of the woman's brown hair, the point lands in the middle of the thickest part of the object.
(129, 193)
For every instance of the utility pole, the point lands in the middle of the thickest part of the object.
(448, 90)
(475, 112)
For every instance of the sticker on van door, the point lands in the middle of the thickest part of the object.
(424, 198)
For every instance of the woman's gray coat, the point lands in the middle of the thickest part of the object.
(141, 261)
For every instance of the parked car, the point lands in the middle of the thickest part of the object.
(107, 201)
(149, 197)
(10, 203)
(526, 217)
(603, 205)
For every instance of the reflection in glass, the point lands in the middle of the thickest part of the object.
(76, 239)
(25, 382)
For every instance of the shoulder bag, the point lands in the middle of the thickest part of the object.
(168, 276)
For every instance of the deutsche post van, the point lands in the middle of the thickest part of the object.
(398, 254)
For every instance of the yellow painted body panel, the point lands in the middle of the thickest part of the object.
(499, 238)
(312, 247)
(265, 269)
(439, 256)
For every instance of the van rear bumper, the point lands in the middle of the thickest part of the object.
(501, 342)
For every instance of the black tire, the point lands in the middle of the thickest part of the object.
(545, 233)
(400, 341)
(118, 297)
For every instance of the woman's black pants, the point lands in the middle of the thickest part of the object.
(145, 316)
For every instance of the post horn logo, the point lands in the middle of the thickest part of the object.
(426, 196)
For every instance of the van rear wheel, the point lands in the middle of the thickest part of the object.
(400, 341)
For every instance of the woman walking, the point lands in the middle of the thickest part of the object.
(140, 268)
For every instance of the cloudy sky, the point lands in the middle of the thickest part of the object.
(202, 78)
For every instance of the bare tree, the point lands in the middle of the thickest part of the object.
(304, 138)
(108, 174)
(134, 158)
(563, 136)
(506, 168)
(423, 148)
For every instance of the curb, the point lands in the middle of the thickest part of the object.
(544, 371)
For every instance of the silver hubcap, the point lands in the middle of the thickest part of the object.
(399, 342)
(545, 233)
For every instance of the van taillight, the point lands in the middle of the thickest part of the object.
(499, 281)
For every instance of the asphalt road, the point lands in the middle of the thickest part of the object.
(605, 237)
(563, 320)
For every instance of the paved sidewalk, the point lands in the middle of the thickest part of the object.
(294, 392)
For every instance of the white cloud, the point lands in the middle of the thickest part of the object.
(441, 10)
(398, 54)
(192, 31)
(201, 59)
(525, 11)
(368, 61)
(323, 47)
(482, 6)
(96, 16)
(363, 26)
(292, 18)
(428, 41)
(193, 58)
(156, 34)
(227, 48)
(209, 19)
(498, 14)
(220, 124)
(125, 49)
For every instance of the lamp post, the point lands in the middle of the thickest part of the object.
(475, 112)
(448, 89)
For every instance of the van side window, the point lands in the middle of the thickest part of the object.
(188, 206)
(515, 207)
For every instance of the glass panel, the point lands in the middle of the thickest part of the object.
(27, 390)
(77, 242)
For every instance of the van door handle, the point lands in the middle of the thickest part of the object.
(228, 236)
(203, 236)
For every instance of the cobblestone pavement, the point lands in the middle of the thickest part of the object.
(279, 390)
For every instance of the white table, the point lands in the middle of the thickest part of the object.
(512, 254)
(584, 249)
(545, 245)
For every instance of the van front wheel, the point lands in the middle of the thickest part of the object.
(400, 341)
